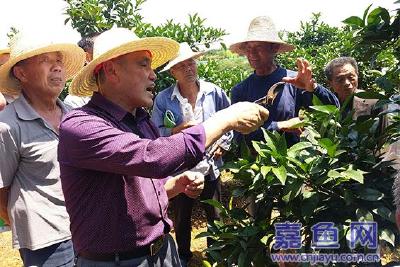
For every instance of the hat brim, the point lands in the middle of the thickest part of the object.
(162, 49)
(179, 59)
(4, 51)
(239, 47)
(73, 59)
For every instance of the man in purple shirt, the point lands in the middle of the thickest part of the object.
(115, 167)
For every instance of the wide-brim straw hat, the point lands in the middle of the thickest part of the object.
(117, 42)
(261, 29)
(185, 53)
(25, 45)
(5, 50)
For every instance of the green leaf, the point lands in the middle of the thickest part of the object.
(355, 175)
(370, 194)
(242, 261)
(354, 21)
(265, 170)
(366, 14)
(364, 215)
(266, 238)
(327, 109)
(270, 140)
(245, 151)
(292, 190)
(206, 263)
(215, 204)
(298, 147)
(309, 204)
(387, 235)
(378, 14)
(348, 197)
(280, 173)
(258, 149)
(316, 101)
(238, 214)
(329, 146)
(385, 213)
(203, 234)
(334, 174)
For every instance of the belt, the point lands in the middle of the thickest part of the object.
(149, 250)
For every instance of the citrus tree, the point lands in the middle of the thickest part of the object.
(94, 16)
(334, 174)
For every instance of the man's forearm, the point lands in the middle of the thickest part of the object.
(171, 188)
(3, 204)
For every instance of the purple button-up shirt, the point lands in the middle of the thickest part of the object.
(105, 173)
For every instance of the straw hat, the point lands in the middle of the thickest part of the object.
(25, 45)
(117, 42)
(4, 50)
(261, 29)
(185, 52)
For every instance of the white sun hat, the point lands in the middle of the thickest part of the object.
(185, 52)
(261, 29)
(28, 44)
(117, 42)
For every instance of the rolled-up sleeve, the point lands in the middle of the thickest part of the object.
(9, 156)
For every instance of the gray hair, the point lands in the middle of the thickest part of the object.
(87, 42)
(339, 62)
(396, 191)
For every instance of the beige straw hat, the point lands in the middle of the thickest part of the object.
(25, 45)
(5, 50)
(261, 29)
(117, 42)
(185, 52)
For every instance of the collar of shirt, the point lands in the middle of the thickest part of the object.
(204, 88)
(26, 112)
(114, 110)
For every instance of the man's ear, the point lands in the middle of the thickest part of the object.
(172, 72)
(19, 73)
(330, 84)
(275, 48)
(109, 70)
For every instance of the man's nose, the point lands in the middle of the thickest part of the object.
(57, 66)
(152, 76)
(347, 82)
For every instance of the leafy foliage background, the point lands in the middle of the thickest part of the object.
(336, 172)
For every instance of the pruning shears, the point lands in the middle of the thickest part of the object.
(268, 100)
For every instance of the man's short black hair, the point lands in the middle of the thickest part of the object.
(339, 62)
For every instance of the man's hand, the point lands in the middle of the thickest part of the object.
(244, 117)
(3, 102)
(189, 183)
(183, 126)
(218, 153)
(3, 204)
(292, 125)
(304, 79)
